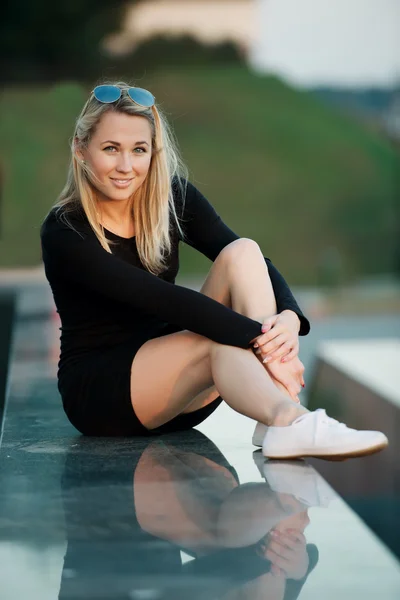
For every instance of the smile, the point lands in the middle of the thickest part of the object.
(121, 182)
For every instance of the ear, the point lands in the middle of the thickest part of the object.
(78, 152)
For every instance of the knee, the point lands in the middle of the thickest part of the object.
(241, 251)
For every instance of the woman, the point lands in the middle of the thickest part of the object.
(139, 354)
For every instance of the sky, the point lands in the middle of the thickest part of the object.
(335, 42)
(353, 43)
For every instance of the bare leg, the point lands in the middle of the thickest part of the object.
(243, 284)
(187, 364)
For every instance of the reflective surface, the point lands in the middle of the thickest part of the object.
(183, 516)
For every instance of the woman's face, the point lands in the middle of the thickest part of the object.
(119, 154)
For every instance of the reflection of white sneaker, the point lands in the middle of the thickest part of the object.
(259, 434)
(296, 478)
(316, 434)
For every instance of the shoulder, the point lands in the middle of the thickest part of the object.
(184, 192)
(62, 219)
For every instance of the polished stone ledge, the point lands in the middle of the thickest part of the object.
(184, 516)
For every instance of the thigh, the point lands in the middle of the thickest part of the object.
(167, 373)
(171, 374)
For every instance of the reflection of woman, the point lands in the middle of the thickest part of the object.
(120, 543)
(139, 354)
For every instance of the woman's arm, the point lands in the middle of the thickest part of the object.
(206, 232)
(78, 258)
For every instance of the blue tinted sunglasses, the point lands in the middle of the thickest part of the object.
(107, 94)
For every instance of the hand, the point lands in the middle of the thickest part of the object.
(287, 552)
(280, 338)
(289, 375)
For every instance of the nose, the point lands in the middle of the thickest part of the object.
(125, 163)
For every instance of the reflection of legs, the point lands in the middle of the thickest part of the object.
(227, 515)
(170, 371)
(243, 284)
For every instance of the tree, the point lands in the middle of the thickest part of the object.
(46, 40)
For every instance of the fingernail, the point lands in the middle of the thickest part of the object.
(255, 345)
(266, 359)
(264, 328)
(283, 360)
(303, 385)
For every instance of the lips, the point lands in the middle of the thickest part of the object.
(121, 183)
(121, 180)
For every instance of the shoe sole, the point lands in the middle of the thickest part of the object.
(334, 457)
(259, 435)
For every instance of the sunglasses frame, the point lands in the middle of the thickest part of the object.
(127, 90)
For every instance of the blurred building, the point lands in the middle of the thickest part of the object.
(353, 43)
(208, 21)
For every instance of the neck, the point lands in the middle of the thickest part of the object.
(118, 212)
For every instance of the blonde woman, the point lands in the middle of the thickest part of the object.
(141, 355)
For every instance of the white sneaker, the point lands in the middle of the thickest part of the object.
(259, 434)
(296, 478)
(316, 434)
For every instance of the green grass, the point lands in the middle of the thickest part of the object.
(279, 166)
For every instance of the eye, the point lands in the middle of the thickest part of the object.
(140, 149)
(110, 148)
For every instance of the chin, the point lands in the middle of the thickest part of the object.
(119, 194)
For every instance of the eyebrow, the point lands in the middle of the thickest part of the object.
(118, 144)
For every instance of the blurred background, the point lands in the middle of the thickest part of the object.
(287, 113)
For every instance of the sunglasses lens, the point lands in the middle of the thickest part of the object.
(107, 93)
(141, 96)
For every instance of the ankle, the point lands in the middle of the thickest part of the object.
(285, 415)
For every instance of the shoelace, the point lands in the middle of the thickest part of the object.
(323, 418)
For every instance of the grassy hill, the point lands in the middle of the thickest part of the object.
(303, 181)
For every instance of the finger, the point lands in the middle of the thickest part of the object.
(279, 352)
(293, 390)
(268, 323)
(277, 557)
(279, 561)
(292, 354)
(298, 535)
(282, 385)
(271, 333)
(276, 344)
(277, 571)
(285, 337)
(282, 548)
(264, 338)
(289, 540)
(281, 541)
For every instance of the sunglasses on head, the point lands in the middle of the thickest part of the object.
(106, 94)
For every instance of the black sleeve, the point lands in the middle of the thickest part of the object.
(206, 232)
(80, 258)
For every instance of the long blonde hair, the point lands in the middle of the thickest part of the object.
(153, 200)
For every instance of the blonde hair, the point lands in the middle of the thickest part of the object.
(153, 200)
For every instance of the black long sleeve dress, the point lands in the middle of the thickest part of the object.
(109, 305)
